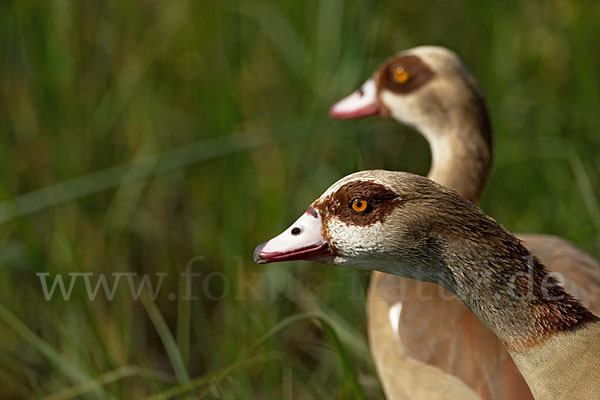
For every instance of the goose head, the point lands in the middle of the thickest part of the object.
(430, 89)
(395, 222)
(421, 87)
(408, 225)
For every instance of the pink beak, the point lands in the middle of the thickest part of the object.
(361, 103)
(301, 241)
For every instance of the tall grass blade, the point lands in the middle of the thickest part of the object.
(167, 338)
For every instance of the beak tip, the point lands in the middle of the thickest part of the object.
(257, 258)
(333, 113)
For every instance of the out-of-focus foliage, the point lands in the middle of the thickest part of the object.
(86, 86)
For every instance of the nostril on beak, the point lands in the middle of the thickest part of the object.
(361, 91)
(296, 231)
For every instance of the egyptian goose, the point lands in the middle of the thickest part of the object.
(407, 225)
(430, 89)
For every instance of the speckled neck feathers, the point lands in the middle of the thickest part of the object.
(504, 285)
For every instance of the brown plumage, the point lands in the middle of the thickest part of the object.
(428, 324)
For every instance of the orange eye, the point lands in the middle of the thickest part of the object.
(359, 205)
(400, 74)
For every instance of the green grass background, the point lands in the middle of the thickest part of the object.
(164, 131)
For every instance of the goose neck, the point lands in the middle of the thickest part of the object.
(512, 292)
(461, 155)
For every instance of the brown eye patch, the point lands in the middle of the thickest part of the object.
(381, 202)
(418, 72)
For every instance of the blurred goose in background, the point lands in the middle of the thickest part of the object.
(418, 324)
(407, 225)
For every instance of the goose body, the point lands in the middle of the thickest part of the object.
(407, 225)
(430, 89)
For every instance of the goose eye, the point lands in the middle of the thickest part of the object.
(359, 205)
(400, 74)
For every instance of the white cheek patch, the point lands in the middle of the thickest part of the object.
(354, 241)
(360, 103)
(403, 108)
